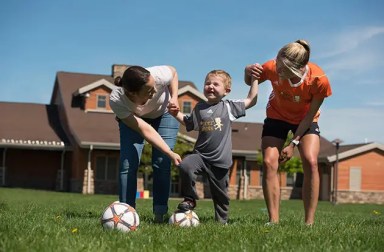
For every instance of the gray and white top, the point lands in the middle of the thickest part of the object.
(155, 107)
(213, 122)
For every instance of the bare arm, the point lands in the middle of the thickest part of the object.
(252, 71)
(175, 112)
(287, 152)
(251, 99)
(180, 117)
(174, 87)
(308, 119)
(151, 136)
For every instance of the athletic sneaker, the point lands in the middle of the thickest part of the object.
(159, 218)
(187, 204)
(270, 224)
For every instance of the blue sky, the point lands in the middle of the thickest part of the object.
(39, 38)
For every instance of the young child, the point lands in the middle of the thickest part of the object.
(212, 154)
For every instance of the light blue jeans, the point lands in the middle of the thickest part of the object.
(131, 146)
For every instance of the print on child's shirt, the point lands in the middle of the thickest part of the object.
(211, 125)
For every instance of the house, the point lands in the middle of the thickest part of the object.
(72, 144)
(358, 176)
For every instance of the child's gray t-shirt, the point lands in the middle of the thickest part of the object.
(213, 122)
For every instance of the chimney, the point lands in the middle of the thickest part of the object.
(118, 70)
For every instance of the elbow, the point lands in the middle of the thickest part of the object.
(252, 103)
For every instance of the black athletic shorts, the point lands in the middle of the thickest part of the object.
(280, 129)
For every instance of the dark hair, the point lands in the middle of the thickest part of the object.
(133, 78)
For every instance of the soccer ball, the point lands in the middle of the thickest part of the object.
(120, 216)
(184, 218)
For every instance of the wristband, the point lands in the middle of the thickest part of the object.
(295, 142)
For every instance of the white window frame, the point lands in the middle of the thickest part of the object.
(189, 105)
(99, 100)
(355, 178)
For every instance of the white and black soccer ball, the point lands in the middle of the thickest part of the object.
(184, 219)
(120, 216)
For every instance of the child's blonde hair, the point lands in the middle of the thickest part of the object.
(295, 56)
(226, 77)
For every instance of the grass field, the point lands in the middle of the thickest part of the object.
(32, 220)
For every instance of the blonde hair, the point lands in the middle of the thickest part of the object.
(295, 55)
(223, 74)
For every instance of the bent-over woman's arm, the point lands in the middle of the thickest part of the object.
(308, 119)
(174, 87)
(151, 136)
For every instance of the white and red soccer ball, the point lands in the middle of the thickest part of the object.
(184, 219)
(120, 216)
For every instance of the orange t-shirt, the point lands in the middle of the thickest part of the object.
(289, 103)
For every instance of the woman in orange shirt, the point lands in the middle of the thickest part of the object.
(299, 88)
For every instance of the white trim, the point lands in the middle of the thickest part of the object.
(100, 145)
(245, 152)
(194, 91)
(32, 144)
(356, 151)
(231, 116)
(96, 84)
(99, 111)
(187, 138)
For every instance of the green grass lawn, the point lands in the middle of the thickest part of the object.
(32, 220)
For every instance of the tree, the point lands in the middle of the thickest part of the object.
(292, 166)
(182, 147)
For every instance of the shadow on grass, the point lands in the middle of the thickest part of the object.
(77, 214)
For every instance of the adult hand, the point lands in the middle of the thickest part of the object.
(174, 102)
(254, 70)
(176, 159)
(173, 108)
(286, 153)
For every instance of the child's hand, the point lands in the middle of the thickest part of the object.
(173, 109)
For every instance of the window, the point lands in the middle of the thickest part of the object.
(291, 179)
(240, 172)
(355, 179)
(187, 107)
(106, 168)
(101, 101)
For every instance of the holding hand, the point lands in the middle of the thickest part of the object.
(173, 108)
(254, 70)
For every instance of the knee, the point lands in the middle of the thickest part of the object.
(161, 163)
(311, 165)
(270, 164)
(124, 167)
(185, 169)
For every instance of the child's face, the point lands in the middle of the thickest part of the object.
(214, 88)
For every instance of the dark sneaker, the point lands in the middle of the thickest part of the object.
(159, 218)
(187, 204)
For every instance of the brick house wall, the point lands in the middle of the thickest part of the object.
(187, 97)
(372, 171)
(371, 166)
(33, 168)
(91, 101)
